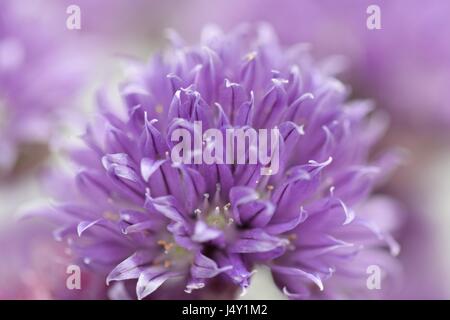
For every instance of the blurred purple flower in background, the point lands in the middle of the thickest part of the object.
(117, 20)
(149, 222)
(34, 266)
(404, 66)
(39, 74)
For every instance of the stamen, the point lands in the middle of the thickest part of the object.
(205, 202)
(262, 183)
(166, 245)
(251, 55)
(332, 191)
(217, 193)
(269, 190)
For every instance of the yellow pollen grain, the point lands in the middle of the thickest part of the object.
(292, 237)
(111, 216)
(166, 245)
(167, 263)
(159, 109)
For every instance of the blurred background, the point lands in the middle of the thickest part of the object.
(49, 74)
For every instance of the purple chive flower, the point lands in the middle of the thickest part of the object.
(39, 74)
(172, 229)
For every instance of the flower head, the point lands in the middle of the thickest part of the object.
(171, 227)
